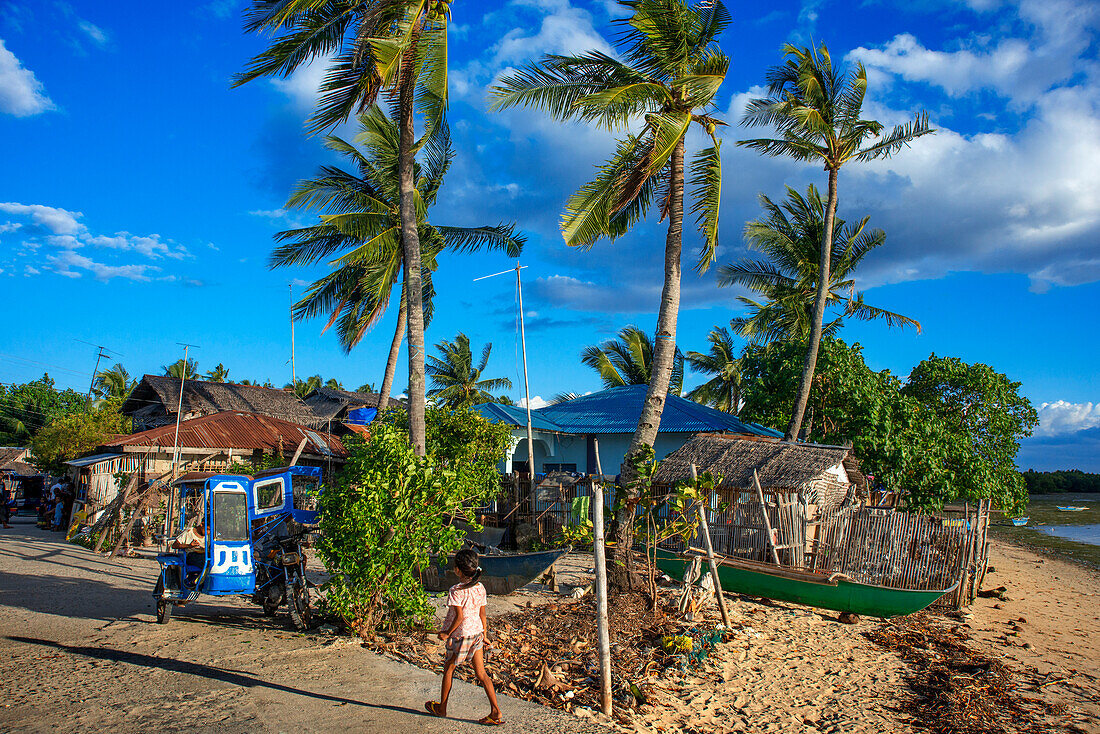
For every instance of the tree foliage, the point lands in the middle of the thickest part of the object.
(456, 380)
(74, 435)
(390, 509)
(628, 360)
(950, 433)
(114, 383)
(983, 417)
(25, 408)
(722, 364)
(1072, 481)
(789, 236)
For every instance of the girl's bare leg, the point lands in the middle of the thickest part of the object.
(445, 688)
(486, 682)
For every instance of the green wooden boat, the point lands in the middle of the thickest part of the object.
(811, 588)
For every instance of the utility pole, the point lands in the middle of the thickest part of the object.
(526, 386)
(176, 439)
(95, 372)
(293, 370)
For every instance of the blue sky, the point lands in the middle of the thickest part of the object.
(139, 195)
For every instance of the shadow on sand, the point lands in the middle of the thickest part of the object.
(232, 677)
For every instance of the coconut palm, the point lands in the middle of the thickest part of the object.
(114, 383)
(181, 370)
(723, 390)
(333, 384)
(668, 79)
(789, 235)
(562, 397)
(816, 109)
(218, 374)
(362, 234)
(628, 360)
(303, 388)
(456, 381)
(370, 46)
(365, 387)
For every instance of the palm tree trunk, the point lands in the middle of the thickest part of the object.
(410, 245)
(823, 279)
(664, 355)
(395, 349)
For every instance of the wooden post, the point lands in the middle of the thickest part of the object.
(603, 633)
(764, 514)
(298, 451)
(710, 557)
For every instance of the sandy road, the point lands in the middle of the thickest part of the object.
(82, 652)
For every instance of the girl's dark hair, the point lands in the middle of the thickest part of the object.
(466, 561)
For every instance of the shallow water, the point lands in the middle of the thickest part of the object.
(1073, 534)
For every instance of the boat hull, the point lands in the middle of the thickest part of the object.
(812, 589)
(500, 574)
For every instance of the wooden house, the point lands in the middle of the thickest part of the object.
(155, 400)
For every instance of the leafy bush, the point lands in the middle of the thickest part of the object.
(72, 435)
(390, 510)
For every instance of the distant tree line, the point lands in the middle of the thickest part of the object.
(1071, 481)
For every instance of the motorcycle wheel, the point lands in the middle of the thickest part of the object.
(270, 607)
(298, 605)
(164, 607)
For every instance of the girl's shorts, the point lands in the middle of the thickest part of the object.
(461, 649)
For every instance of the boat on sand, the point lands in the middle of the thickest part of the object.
(501, 574)
(812, 588)
(1020, 521)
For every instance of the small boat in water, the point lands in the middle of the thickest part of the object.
(501, 574)
(1071, 508)
(1020, 521)
(812, 588)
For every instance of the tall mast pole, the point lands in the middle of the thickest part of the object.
(95, 372)
(526, 387)
(293, 371)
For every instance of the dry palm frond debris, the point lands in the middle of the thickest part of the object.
(958, 690)
(547, 654)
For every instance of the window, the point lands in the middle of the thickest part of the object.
(269, 494)
(230, 516)
(305, 491)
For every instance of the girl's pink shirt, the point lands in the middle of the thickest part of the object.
(471, 600)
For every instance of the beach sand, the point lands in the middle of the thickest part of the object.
(790, 668)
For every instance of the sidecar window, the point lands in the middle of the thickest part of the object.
(269, 494)
(230, 516)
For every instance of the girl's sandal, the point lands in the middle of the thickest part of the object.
(434, 707)
(491, 721)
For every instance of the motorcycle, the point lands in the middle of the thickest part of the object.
(281, 578)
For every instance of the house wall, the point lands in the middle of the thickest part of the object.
(551, 448)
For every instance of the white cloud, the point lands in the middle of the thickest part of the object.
(97, 35)
(59, 233)
(1061, 417)
(536, 402)
(1019, 69)
(302, 86)
(564, 30)
(57, 221)
(269, 213)
(21, 94)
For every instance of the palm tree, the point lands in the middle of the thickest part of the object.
(789, 235)
(816, 109)
(182, 371)
(723, 390)
(562, 397)
(333, 384)
(303, 388)
(670, 76)
(218, 374)
(628, 360)
(365, 230)
(114, 384)
(372, 45)
(456, 382)
(365, 387)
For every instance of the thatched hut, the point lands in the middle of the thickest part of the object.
(800, 483)
(333, 406)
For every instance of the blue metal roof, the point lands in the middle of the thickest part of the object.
(516, 416)
(617, 409)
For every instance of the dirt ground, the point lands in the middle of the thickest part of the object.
(82, 652)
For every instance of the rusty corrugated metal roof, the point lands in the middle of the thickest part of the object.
(237, 430)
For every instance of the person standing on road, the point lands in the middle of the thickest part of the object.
(6, 500)
(464, 631)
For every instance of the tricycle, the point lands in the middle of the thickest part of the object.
(212, 550)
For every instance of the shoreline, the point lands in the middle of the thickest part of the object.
(1054, 553)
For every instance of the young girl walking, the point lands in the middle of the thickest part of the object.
(464, 631)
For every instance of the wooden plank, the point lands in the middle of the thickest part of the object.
(764, 513)
(710, 558)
